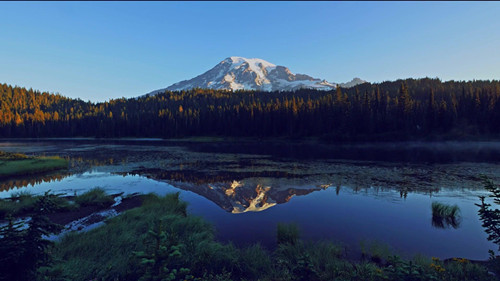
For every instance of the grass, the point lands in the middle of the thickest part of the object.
(376, 251)
(23, 203)
(12, 164)
(162, 223)
(287, 233)
(445, 215)
(19, 203)
(445, 211)
(94, 197)
(12, 156)
(107, 251)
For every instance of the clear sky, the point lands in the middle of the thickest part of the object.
(101, 50)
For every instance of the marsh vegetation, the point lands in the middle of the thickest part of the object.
(15, 164)
(24, 203)
(160, 240)
(445, 215)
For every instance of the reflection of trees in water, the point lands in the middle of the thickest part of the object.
(414, 152)
(31, 180)
(94, 162)
(200, 177)
(74, 164)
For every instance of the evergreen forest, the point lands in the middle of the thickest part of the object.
(399, 110)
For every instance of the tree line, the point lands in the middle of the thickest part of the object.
(401, 109)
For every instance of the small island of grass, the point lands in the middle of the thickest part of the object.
(15, 164)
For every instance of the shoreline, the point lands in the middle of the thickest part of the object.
(306, 139)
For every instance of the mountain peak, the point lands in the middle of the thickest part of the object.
(355, 81)
(239, 73)
(253, 61)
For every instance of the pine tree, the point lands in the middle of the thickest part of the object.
(26, 250)
(431, 112)
(11, 250)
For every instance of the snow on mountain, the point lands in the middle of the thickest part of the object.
(235, 73)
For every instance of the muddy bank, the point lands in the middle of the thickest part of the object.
(120, 205)
(87, 217)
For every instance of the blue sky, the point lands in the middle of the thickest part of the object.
(101, 50)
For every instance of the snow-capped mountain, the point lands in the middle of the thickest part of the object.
(235, 73)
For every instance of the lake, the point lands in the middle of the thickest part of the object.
(345, 193)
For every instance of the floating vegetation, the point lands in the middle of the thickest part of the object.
(444, 216)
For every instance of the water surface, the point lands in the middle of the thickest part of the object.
(339, 196)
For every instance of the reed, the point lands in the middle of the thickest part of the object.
(445, 215)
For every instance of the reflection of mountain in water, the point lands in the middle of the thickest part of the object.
(249, 192)
(254, 195)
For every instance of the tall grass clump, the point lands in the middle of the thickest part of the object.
(443, 214)
(94, 197)
(287, 233)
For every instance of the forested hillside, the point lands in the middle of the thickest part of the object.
(402, 109)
